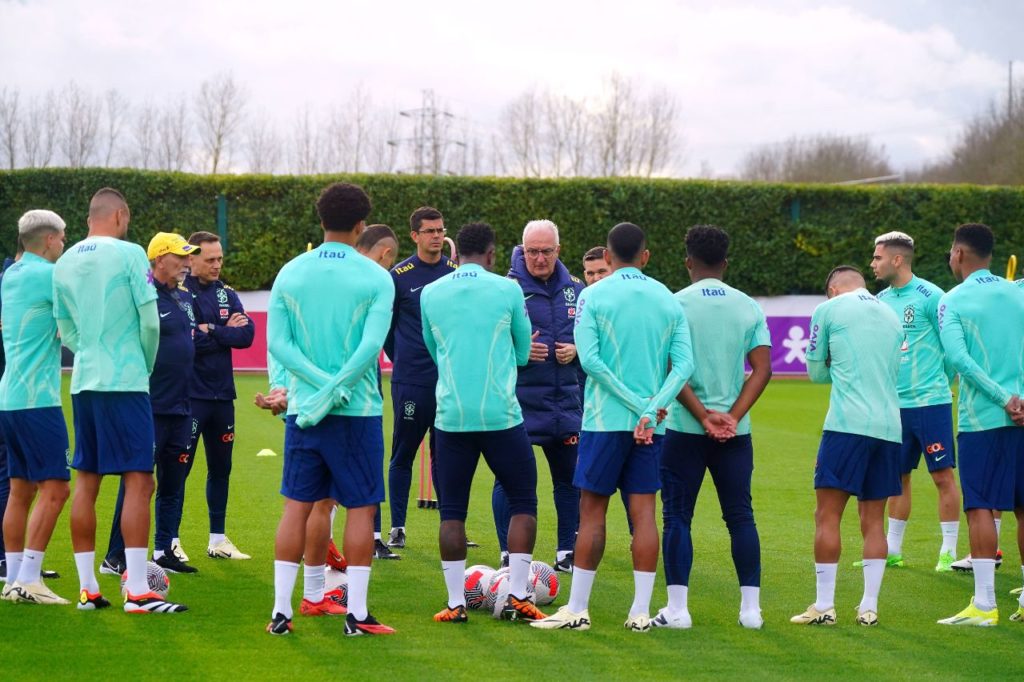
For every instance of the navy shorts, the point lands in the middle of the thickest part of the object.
(113, 432)
(865, 467)
(509, 455)
(610, 460)
(37, 444)
(992, 468)
(927, 430)
(341, 458)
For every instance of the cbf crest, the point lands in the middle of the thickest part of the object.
(908, 314)
(410, 409)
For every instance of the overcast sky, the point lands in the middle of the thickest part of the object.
(906, 72)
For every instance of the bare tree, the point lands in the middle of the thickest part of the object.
(820, 158)
(173, 136)
(989, 150)
(220, 108)
(115, 110)
(567, 139)
(521, 125)
(263, 146)
(79, 125)
(306, 152)
(381, 149)
(40, 131)
(10, 122)
(144, 124)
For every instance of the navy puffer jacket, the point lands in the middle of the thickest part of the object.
(549, 392)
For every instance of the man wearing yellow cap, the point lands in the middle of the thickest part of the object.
(168, 390)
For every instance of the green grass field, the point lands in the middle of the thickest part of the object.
(230, 602)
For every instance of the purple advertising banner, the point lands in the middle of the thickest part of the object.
(790, 336)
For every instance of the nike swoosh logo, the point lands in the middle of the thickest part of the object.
(164, 315)
(415, 289)
(938, 459)
(527, 298)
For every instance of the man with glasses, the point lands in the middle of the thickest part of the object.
(414, 375)
(548, 386)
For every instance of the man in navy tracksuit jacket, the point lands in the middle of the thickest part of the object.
(414, 375)
(169, 386)
(221, 325)
(548, 386)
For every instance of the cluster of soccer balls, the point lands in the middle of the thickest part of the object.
(487, 589)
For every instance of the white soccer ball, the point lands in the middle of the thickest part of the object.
(336, 580)
(493, 585)
(156, 579)
(544, 581)
(478, 579)
(498, 591)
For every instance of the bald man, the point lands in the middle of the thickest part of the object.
(855, 346)
(107, 315)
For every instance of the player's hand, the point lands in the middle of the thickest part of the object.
(260, 401)
(1015, 408)
(661, 414)
(565, 352)
(538, 351)
(204, 328)
(644, 432)
(719, 425)
(237, 320)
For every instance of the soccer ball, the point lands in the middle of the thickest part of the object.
(498, 591)
(493, 585)
(156, 579)
(336, 580)
(478, 579)
(544, 581)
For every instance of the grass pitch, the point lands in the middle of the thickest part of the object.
(222, 635)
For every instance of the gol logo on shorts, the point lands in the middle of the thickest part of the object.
(933, 448)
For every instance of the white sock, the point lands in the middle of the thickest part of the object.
(984, 583)
(358, 586)
(874, 569)
(216, 539)
(999, 527)
(950, 533)
(677, 596)
(175, 542)
(750, 598)
(14, 566)
(376, 536)
(561, 554)
(135, 564)
(334, 512)
(285, 573)
(894, 538)
(643, 587)
(158, 554)
(31, 564)
(826, 583)
(582, 584)
(313, 582)
(1021, 600)
(455, 581)
(86, 564)
(518, 573)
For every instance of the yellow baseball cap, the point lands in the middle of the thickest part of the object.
(168, 242)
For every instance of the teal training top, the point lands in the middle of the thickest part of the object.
(725, 325)
(329, 312)
(477, 331)
(924, 376)
(99, 285)
(32, 378)
(981, 323)
(855, 345)
(628, 328)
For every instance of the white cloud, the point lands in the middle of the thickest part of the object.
(744, 73)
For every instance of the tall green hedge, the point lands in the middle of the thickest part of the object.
(785, 237)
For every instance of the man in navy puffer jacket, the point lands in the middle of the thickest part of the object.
(548, 386)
